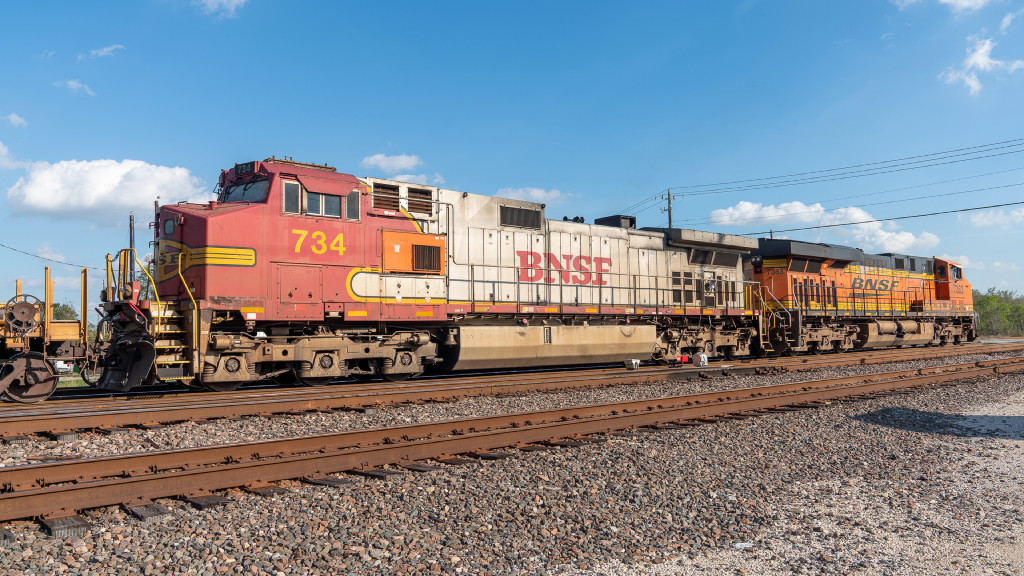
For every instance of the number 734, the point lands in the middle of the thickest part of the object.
(318, 242)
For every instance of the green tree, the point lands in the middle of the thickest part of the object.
(1000, 312)
(64, 311)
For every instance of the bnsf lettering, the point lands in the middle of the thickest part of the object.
(875, 284)
(569, 269)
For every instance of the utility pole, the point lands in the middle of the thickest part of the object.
(667, 196)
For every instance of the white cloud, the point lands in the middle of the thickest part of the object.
(956, 5)
(1005, 267)
(1004, 25)
(435, 180)
(101, 52)
(75, 86)
(870, 236)
(15, 120)
(966, 261)
(101, 190)
(392, 164)
(8, 162)
(224, 8)
(965, 5)
(45, 251)
(979, 58)
(552, 196)
(788, 212)
(999, 218)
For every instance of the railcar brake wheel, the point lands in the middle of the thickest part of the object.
(20, 313)
(32, 379)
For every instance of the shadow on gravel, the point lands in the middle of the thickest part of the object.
(1006, 427)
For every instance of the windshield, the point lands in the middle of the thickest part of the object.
(252, 191)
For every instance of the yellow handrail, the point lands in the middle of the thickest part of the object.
(156, 295)
(195, 311)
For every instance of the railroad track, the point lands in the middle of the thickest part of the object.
(61, 489)
(108, 413)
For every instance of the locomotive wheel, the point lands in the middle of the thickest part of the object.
(220, 386)
(28, 378)
(402, 377)
(88, 376)
(310, 381)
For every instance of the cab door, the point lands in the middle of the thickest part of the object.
(941, 279)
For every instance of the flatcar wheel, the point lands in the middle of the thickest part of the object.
(6, 375)
(32, 379)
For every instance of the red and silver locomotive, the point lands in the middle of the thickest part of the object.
(299, 271)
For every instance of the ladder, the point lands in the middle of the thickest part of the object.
(170, 334)
(772, 317)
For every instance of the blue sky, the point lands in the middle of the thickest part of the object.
(592, 107)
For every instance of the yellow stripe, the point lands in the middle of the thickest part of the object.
(258, 310)
(424, 313)
(356, 313)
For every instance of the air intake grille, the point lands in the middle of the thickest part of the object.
(521, 217)
(385, 197)
(426, 258)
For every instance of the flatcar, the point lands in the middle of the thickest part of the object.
(830, 297)
(31, 339)
(298, 271)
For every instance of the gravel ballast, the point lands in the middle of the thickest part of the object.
(923, 483)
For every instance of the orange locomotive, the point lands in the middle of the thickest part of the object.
(827, 297)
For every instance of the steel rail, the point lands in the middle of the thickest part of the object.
(67, 410)
(79, 415)
(145, 476)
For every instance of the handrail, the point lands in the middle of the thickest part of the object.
(789, 316)
(661, 294)
(195, 312)
(156, 294)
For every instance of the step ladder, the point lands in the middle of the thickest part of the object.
(773, 317)
(173, 350)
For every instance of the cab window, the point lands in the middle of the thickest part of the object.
(297, 200)
(252, 191)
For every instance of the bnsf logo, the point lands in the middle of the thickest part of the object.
(862, 284)
(534, 267)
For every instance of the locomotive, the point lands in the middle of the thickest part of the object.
(828, 297)
(297, 272)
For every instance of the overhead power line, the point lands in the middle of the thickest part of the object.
(47, 259)
(845, 172)
(885, 219)
(1018, 141)
(928, 197)
(707, 220)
